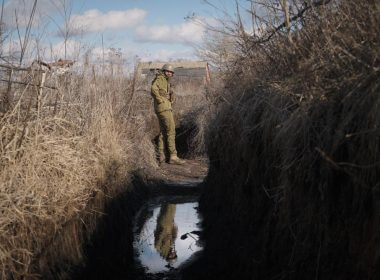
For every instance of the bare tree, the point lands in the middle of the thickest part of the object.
(267, 19)
(67, 30)
(25, 41)
(2, 27)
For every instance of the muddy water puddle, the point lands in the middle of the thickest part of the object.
(166, 234)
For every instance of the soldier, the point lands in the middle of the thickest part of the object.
(166, 233)
(163, 98)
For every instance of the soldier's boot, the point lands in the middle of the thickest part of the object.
(161, 158)
(176, 160)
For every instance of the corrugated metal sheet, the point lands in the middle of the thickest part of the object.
(187, 70)
(181, 72)
(184, 64)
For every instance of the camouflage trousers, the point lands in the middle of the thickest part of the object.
(166, 139)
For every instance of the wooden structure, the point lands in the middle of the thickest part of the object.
(35, 76)
(185, 71)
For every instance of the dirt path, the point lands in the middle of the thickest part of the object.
(178, 179)
(193, 171)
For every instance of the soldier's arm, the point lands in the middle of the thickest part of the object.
(155, 90)
(172, 97)
(172, 93)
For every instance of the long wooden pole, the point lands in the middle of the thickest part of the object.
(41, 86)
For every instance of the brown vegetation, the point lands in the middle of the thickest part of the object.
(294, 151)
(61, 158)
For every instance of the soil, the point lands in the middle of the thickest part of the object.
(191, 173)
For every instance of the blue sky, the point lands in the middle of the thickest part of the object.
(160, 11)
(150, 29)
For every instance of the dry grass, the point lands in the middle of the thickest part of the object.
(194, 108)
(294, 152)
(54, 159)
(192, 112)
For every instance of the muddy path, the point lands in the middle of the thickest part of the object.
(151, 232)
(167, 227)
(170, 177)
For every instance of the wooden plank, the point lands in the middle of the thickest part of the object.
(22, 83)
(11, 67)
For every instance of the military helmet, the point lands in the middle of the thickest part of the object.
(168, 67)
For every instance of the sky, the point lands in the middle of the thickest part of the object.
(148, 29)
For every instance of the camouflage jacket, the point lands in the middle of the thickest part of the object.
(161, 93)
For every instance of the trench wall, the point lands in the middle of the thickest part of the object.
(292, 192)
(292, 189)
(72, 253)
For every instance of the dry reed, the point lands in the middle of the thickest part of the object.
(294, 153)
(55, 156)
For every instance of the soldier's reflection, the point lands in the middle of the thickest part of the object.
(166, 233)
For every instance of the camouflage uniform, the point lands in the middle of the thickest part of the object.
(166, 233)
(161, 93)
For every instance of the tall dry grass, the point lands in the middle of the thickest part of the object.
(294, 152)
(56, 156)
(191, 110)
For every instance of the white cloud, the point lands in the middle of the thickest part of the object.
(10, 48)
(168, 55)
(186, 33)
(95, 20)
(71, 50)
(23, 10)
(11, 51)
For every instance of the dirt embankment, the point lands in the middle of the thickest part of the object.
(294, 156)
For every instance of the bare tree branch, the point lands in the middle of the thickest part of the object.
(295, 17)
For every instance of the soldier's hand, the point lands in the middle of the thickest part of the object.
(172, 97)
(163, 92)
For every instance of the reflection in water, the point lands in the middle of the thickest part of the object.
(166, 233)
(158, 244)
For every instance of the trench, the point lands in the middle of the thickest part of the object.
(151, 232)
